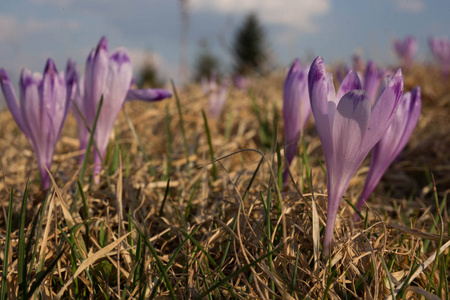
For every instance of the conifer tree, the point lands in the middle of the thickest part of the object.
(249, 46)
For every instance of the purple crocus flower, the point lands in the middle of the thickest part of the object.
(112, 77)
(296, 110)
(42, 109)
(241, 82)
(348, 128)
(217, 97)
(440, 47)
(393, 141)
(405, 49)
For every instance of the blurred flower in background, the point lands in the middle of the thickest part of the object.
(440, 47)
(44, 105)
(405, 50)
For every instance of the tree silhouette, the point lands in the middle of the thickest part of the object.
(249, 46)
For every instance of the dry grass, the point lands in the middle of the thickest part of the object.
(237, 236)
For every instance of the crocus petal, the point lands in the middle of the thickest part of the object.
(148, 94)
(30, 107)
(394, 140)
(372, 80)
(350, 82)
(383, 110)
(349, 128)
(11, 100)
(321, 90)
(115, 90)
(53, 94)
(96, 71)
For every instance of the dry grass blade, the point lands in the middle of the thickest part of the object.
(421, 268)
(418, 233)
(315, 232)
(89, 261)
(422, 292)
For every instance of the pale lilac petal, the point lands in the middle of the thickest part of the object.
(349, 128)
(394, 140)
(54, 104)
(96, 72)
(71, 77)
(320, 92)
(115, 91)
(350, 125)
(383, 110)
(30, 107)
(372, 80)
(148, 94)
(350, 82)
(11, 100)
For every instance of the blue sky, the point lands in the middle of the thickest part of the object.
(33, 30)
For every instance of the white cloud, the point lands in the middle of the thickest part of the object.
(13, 30)
(297, 14)
(412, 6)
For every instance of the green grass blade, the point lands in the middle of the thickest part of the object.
(43, 274)
(159, 264)
(136, 136)
(22, 258)
(211, 149)
(208, 256)
(7, 246)
(114, 165)
(169, 151)
(233, 226)
(183, 131)
(237, 272)
(187, 213)
(166, 193)
(41, 214)
(90, 141)
(170, 262)
(86, 212)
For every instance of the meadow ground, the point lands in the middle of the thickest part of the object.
(165, 223)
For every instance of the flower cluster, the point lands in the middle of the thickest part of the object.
(45, 101)
(348, 127)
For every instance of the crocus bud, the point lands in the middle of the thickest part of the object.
(296, 110)
(348, 128)
(44, 102)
